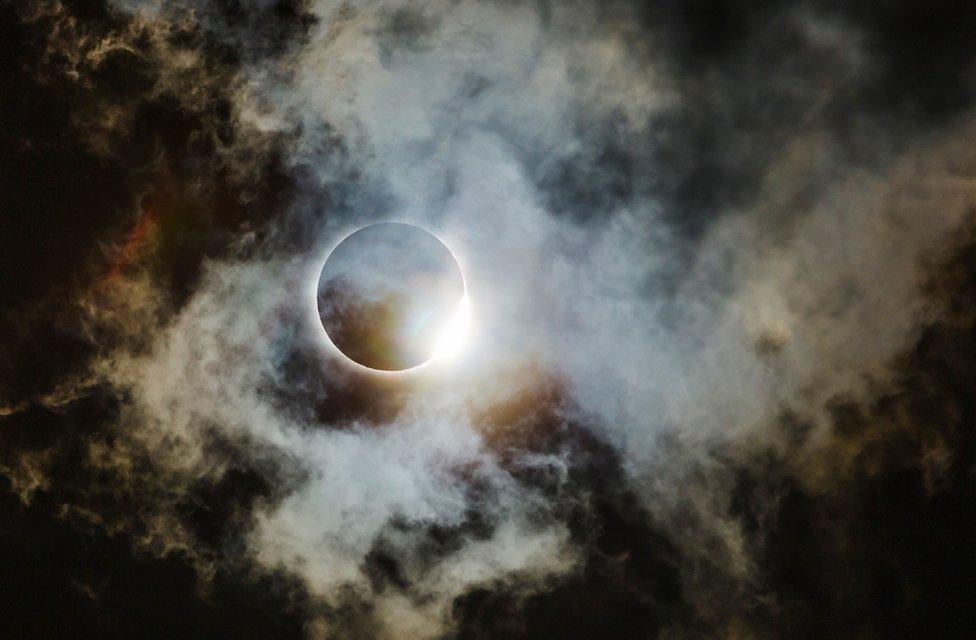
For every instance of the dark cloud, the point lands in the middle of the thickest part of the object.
(628, 584)
(749, 77)
(66, 205)
(75, 583)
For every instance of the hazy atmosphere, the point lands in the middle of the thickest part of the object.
(714, 373)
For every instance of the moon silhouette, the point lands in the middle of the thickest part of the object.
(391, 297)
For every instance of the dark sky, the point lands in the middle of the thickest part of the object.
(720, 382)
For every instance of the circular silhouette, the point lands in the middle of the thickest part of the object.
(388, 296)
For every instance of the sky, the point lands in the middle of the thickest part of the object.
(718, 376)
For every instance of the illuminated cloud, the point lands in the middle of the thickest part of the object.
(704, 276)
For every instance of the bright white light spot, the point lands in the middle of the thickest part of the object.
(452, 339)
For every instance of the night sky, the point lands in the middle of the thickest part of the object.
(720, 377)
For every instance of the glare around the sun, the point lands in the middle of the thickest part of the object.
(451, 341)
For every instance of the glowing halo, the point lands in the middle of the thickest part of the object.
(391, 298)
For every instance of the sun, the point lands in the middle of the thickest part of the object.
(391, 297)
(452, 339)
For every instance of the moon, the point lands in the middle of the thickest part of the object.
(391, 297)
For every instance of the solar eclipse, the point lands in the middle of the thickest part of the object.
(391, 297)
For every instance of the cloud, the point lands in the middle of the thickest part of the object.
(667, 251)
